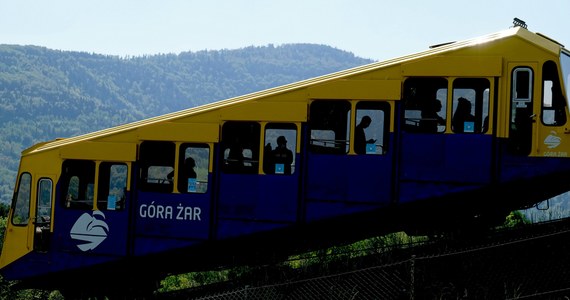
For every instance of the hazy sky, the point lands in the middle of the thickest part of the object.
(375, 29)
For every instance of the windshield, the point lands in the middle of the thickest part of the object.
(565, 62)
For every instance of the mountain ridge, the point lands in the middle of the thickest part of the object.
(46, 93)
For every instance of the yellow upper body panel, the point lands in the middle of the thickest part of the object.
(483, 57)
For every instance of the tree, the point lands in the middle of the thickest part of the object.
(515, 219)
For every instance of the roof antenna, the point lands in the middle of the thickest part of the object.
(518, 22)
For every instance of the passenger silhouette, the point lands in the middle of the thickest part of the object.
(430, 117)
(235, 158)
(282, 157)
(268, 166)
(189, 165)
(360, 136)
(462, 114)
(184, 173)
(187, 176)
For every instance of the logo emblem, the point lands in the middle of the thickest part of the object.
(89, 230)
(552, 140)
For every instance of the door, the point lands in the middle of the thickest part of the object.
(553, 116)
(42, 220)
(522, 115)
(20, 226)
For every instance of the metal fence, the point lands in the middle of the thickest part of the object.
(531, 268)
(387, 282)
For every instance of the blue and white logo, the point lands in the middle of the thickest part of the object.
(552, 140)
(89, 230)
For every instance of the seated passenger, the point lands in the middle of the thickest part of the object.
(268, 166)
(189, 165)
(187, 176)
(430, 117)
(282, 157)
(463, 120)
(235, 159)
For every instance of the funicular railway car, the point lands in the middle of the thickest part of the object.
(460, 133)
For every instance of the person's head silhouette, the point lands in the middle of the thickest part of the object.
(365, 122)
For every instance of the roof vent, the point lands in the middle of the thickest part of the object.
(519, 23)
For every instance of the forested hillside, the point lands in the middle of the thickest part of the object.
(45, 94)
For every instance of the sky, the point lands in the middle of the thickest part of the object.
(373, 29)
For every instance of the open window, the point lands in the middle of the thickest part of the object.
(470, 105)
(240, 147)
(425, 104)
(280, 146)
(156, 161)
(78, 183)
(112, 186)
(193, 164)
(329, 123)
(372, 127)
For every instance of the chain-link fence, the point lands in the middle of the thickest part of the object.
(530, 268)
(373, 283)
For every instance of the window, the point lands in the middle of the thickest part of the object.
(553, 103)
(193, 168)
(78, 180)
(280, 148)
(520, 129)
(240, 146)
(112, 186)
(22, 200)
(565, 66)
(372, 126)
(43, 214)
(425, 104)
(470, 105)
(522, 85)
(156, 161)
(330, 126)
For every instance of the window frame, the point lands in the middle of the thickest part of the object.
(201, 183)
(335, 117)
(22, 204)
(378, 129)
(272, 131)
(104, 183)
(156, 158)
(77, 170)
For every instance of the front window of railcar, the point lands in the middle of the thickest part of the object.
(21, 204)
(44, 200)
(565, 63)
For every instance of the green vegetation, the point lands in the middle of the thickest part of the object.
(325, 261)
(47, 94)
(515, 219)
